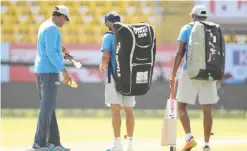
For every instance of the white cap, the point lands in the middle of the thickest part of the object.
(63, 10)
(199, 10)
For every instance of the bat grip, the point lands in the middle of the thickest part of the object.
(68, 57)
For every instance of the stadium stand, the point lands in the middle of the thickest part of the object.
(20, 25)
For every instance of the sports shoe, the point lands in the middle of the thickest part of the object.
(206, 148)
(115, 147)
(191, 143)
(58, 148)
(129, 149)
(129, 146)
(36, 147)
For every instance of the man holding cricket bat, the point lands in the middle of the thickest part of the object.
(188, 89)
(48, 65)
(113, 98)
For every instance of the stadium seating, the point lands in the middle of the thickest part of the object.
(21, 19)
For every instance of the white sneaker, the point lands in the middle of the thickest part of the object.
(115, 148)
(129, 146)
(129, 149)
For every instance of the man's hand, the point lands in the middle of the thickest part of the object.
(66, 77)
(106, 56)
(102, 67)
(68, 80)
(65, 52)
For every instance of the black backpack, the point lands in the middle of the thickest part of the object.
(135, 57)
(206, 52)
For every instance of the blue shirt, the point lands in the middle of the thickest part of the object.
(108, 44)
(184, 36)
(49, 57)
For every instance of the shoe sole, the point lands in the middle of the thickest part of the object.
(192, 145)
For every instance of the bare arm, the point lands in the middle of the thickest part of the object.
(179, 56)
(64, 50)
(106, 56)
(66, 54)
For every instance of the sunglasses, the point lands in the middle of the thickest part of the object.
(66, 17)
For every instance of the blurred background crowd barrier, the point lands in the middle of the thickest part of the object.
(20, 21)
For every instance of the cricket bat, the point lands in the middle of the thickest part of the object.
(169, 129)
(75, 63)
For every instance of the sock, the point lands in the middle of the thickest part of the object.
(188, 136)
(117, 141)
(129, 138)
(206, 143)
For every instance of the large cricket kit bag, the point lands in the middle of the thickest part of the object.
(135, 56)
(206, 52)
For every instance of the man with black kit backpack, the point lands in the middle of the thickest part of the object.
(128, 55)
(203, 45)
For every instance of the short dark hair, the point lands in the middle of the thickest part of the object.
(112, 17)
(54, 13)
(116, 19)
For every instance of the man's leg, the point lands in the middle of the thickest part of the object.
(114, 101)
(207, 96)
(54, 137)
(207, 121)
(129, 103)
(47, 104)
(130, 125)
(183, 116)
(130, 121)
(187, 92)
(116, 119)
(185, 121)
(38, 83)
(116, 125)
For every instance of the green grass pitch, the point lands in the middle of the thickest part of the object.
(95, 133)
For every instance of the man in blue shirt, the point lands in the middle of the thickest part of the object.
(48, 65)
(189, 89)
(114, 99)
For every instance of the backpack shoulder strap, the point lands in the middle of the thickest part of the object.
(110, 72)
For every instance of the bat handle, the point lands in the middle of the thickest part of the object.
(71, 57)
